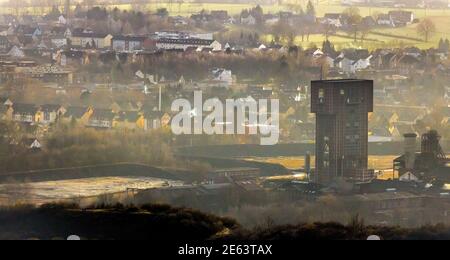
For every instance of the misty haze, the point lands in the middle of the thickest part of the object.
(301, 119)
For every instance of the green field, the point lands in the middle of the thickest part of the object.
(384, 37)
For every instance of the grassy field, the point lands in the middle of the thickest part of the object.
(187, 8)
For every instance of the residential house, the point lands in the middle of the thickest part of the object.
(201, 17)
(178, 20)
(409, 177)
(48, 114)
(59, 31)
(32, 144)
(62, 20)
(24, 113)
(402, 18)
(16, 52)
(29, 31)
(130, 120)
(223, 75)
(117, 107)
(50, 73)
(184, 44)
(413, 51)
(271, 19)
(71, 58)
(78, 115)
(334, 19)
(156, 119)
(5, 102)
(352, 61)
(91, 40)
(128, 43)
(385, 20)
(59, 41)
(102, 119)
(248, 19)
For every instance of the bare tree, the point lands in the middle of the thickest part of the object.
(426, 29)
(354, 21)
(328, 30)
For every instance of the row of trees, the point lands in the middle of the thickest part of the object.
(71, 146)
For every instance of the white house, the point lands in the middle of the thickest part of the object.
(62, 19)
(184, 44)
(16, 52)
(248, 20)
(402, 17)
(68, 33)
(223, 75)
(59, 42)
(352, 66)
(385, 20)
(128, 43)
(409, 177)
(333, 19)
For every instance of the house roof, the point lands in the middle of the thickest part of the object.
(58, 30)
(130, 116)
(29, 141)
(90, 35)
(3, 100)
(129, 38)
(333, 16)
(50, 108)
(25, 108)
(153, 114)
(384, 17)
(75, 112)
(103, 114)
(356, 54)
(401, 16)
(186, 41)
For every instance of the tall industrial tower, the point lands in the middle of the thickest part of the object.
(342, 108)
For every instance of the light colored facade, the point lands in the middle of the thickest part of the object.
(89, 39)
(184, 44)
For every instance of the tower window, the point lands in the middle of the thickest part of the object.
(321, 93)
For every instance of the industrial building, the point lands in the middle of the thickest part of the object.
(426, 164)
(342, 108)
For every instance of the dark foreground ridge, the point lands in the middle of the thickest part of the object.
(162, 222)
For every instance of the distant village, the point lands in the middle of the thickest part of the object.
(111, 71)
(112, 78)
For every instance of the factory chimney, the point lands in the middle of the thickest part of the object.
(410, 150)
